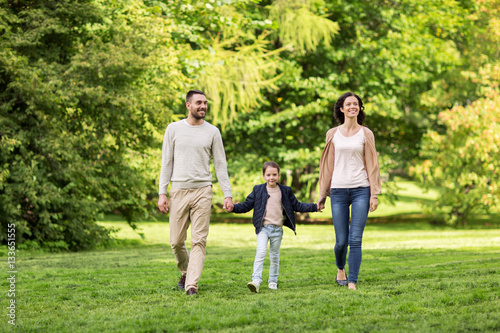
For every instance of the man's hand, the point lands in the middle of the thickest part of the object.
(163, 203)
(228, 204)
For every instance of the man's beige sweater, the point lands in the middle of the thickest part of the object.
(186, 155)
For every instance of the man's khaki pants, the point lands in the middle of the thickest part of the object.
(190, 206)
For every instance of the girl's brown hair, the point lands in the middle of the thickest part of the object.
(270, 164)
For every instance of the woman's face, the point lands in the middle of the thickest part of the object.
(351, 107)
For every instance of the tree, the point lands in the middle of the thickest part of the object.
(235, 54)
(461, 154)
(388, 52)
(88, 87)
(464, 160)
(82, 91)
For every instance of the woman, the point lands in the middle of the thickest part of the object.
(349, 173)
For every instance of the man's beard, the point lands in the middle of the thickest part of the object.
(197, 116)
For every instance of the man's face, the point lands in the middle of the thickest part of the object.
(197, 106)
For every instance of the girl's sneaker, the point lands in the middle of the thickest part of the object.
(273, 285)
(253, 286)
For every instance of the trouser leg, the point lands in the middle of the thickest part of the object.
(274, 253)
(260, 255)
(359, 214)
(339, 199)
(200, 221)
(178, 224)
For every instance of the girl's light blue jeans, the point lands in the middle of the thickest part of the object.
(359, 201)
(274, 235)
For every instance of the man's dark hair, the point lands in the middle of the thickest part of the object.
(270, 164)
(193, 92)
(339, 115)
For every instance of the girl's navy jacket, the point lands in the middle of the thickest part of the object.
(257, 200)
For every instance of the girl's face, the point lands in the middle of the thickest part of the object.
(351, 107)
(271, 176)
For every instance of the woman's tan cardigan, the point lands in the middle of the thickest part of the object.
(328, 161)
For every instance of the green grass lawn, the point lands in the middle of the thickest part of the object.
(414, 277)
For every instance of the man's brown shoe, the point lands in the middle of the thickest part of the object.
(192, 292)
(182, 282)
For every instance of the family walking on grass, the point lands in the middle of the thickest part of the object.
(348, 173)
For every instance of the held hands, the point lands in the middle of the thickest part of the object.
(163, 203)
(373, 204)
(228, 204)
(321, 204)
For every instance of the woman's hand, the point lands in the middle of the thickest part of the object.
(373, 204)
(321, 203)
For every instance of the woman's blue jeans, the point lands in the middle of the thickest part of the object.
(359, 200)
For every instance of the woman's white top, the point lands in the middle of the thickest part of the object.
(349, 170)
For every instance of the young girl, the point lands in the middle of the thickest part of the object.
(349, 174)
(273, 205)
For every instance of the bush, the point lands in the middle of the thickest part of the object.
(464, 160)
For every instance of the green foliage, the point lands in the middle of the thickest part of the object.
(390, 53)
(478, 41)
(81, 92)
(228, 50)
(235, 55)
(219, 54)
(88, 87)
(462, 156)
(464, 160)
(313, 29)
(234, 79)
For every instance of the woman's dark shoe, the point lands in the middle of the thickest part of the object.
(341, 282)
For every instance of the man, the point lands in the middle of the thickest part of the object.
(188, 146)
